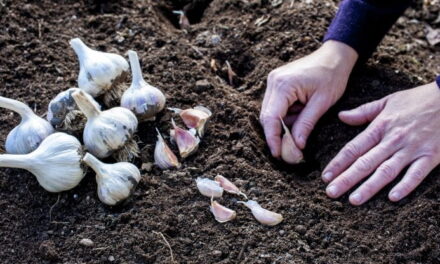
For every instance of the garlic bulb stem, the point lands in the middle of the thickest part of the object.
(93, 162)
(79, 47)
(22, 109)
(136, 70)
(14, 161)
(85, 105)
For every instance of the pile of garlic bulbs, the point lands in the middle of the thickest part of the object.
(104, 113)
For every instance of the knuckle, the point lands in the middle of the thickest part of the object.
(307, 124)
(417, 175)
(272, 75)
(351, 150)
(346, 181)
(387, 171)
(369, 189)
(363, 164)
(397, 137)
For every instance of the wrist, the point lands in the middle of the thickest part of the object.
(339, 55)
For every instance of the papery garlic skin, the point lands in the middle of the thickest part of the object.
(56, 162)
(221, 213)
(290, 153)
(31, 131)
(187, 142)
(262, 215)
(195, 118)
(64, 114)
(99, 71)
(209, 188)
(142, 98)
(106, 131)
(164, 158)
(228, 186)
(116, 182)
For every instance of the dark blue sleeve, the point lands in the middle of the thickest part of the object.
(362, 24)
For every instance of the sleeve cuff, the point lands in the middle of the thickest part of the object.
(437, 80)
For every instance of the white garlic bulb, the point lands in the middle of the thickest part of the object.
(196, 117)
(186, 140)
(100, 72)
(164, 158)
(290, 153)
(262, 215)
(221, 213)
(142, 98)
(64, 114)
(228, 186)
(31, 131)
(108, 132)
(209, 188)
(116, 182)
(56, 162)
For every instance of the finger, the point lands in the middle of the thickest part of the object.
(383, 175)
(360, 169)
(268, 92)
(307, 120)
(352, 151)
(416, 173)
(289, 120)
(363, 114)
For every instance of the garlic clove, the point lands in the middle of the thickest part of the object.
(31, 131)
(228, 185)
(290, 153)
(186, 141)
(56, 163)
(100, 72)
(196, 117)
(116, 182)
(262, 215)
(221, 213)
(164, 158)
(64, 114)
(108, 132)
(142, 98)
(209, 187)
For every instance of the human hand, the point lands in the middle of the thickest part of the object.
(316, 81)
(403, 131)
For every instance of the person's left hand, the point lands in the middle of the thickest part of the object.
(404, 130)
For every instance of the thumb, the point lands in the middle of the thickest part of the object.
(307, 120)
(363, 114)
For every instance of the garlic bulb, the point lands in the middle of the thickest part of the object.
(31, 131)
(290, 153)
(116, 182)
(100, 72)
(221, 213)
(56, 162)
(141, 98)
(164, 158)
(262, 215)
(64, 114)
(196, 117)
(186, 140)
(228, 185)
(209, 187)
(108, 132)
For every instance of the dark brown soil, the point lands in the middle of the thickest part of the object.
(37, 62)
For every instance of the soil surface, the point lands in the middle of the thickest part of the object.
(254, 36)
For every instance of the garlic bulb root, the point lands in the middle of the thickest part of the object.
(290, 153)
(164, 158)
(209, 188)
(128, 152)
(113, 95)
(221, 213)
(56, 162)
(262, 215)
(31, 131)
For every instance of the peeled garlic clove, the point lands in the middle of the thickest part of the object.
(221, 213)
(209, 187)
(100, 72)
(290, 153)
(141, 98)
(56, 162)
(116, 182)
(164, 158)
(31, 131)
(262, 215)
(228, 185)
(64, 114)
(196, 117)
(186, 141)
(108, 132)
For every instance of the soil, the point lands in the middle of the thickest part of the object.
(37, 63)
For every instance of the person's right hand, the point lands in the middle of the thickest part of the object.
(316, 81)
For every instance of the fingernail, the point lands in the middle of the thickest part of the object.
(332, 191)
(327, 176)
(395, 196)
(356, 198)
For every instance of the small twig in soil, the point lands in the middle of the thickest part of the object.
(39, 29)
(243, 248)
(100, 248)
(168, 245)
(231, 74)
(51, 208)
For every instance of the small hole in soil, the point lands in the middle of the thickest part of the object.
(194, 10)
